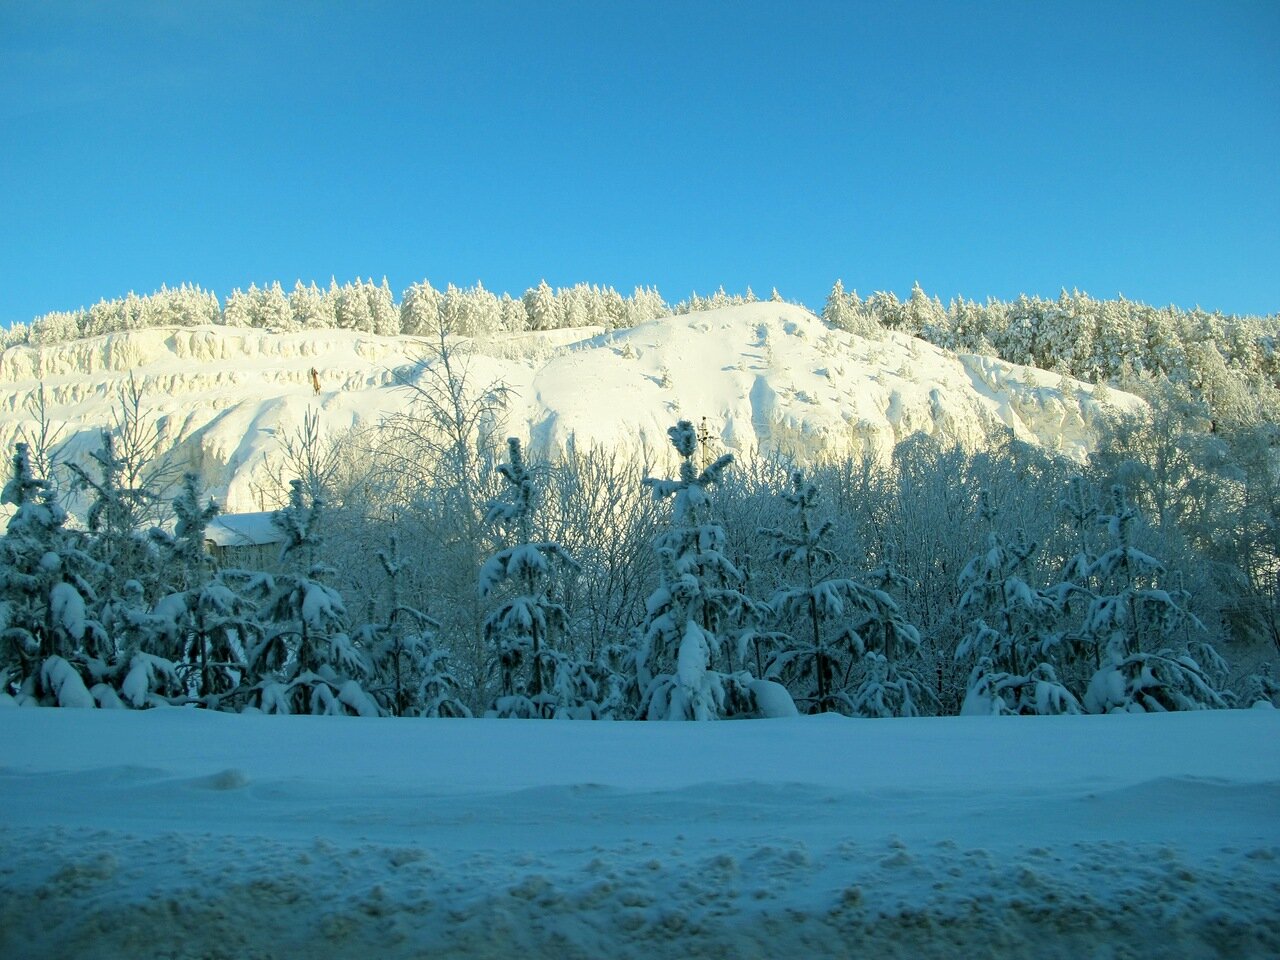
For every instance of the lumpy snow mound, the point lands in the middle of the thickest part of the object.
(179, 833)
(766, 376)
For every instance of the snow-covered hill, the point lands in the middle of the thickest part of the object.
(766, 376)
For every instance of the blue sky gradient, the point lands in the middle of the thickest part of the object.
(981, 149)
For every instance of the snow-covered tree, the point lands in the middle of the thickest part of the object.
(273, 310)
(412, 671)
(837, 311)
(420, 309)
(696, 602)
(645, 304)
(834, 622)
(1011, 631)
(44, 593)
(307, 661)
(1260, 689)
(540, 307)
(211, 623)
(240, 310)
(924, 316)
(44, 438)
(512, 317)
(844, 311)
(384, 316)
(887, 309)
(311, 309)
(57, 327)
(523, 627)
(118, 505)
(1130, 615)
(354, 306)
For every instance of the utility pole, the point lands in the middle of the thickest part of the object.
(704, 443)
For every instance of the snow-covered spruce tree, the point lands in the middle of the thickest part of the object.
(1011, 630)
(1131, 614)
(884, 686)
(212, 622)
(1259, 689)
(115, 517)
(695, 603)
(44, 586)
(306, 661)
(141, 646)
(44, 440)
(144, 645)
(1078, 657)
(521, 629)
(838, 312)
(834, 624)
(412, 673)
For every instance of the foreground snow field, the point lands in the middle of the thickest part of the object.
(181, 833)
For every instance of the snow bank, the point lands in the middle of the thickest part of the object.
(766, 376)
(179, 833)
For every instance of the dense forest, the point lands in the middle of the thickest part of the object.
(427, 569)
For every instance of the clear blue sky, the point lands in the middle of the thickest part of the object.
(982, 149)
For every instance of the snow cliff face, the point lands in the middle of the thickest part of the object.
(766, 376)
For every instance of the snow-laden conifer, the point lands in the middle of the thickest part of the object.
(522, 628)
(1129, 616)
(1260, 689)
(845, 637)
(137, 656)
(212, 621)
(306, 660)
(44, 595)
(1011, 630)
(696, 602)
(412, 675)
(115, 515)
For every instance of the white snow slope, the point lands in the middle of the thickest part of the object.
(766, 376)
(181, 834)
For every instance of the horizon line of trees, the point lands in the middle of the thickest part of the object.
(1119, 341)
(368, 307)
(1095, 340)
(1228, 364)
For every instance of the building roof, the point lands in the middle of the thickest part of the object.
(242, 530)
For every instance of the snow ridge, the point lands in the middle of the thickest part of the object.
(766, 376)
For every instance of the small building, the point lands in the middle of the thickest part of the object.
(248, 540)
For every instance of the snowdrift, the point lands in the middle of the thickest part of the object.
(766, 376)
(180, 833)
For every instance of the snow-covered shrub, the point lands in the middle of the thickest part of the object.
(1259, 688)
(149, 681)
(994, 692)
(63, 684)
(1151, 683)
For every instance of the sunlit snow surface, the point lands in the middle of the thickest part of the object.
(180, 833)
(766, 376)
